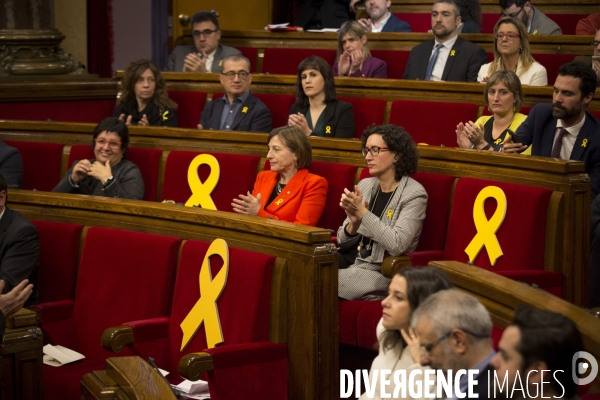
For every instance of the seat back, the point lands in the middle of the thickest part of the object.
(279, 105)
(366, 112)
(522, 235)
(419, 22)
(437, 122)
(552, 63)
(41, 164)
(123, 276)
(395, 59)
(243, 307)
(189, 107)
(286, 61)
(59, 258)
(238, 173)
(251, 53)
(92, 111)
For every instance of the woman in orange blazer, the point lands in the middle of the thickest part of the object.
(287, 192)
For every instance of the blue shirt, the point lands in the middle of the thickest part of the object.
(230, 110)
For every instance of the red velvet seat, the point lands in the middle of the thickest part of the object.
(419, 22)
(279, 105)
(286, 61)
(246, 362)
(366, 112)
(147, 160)
(92, 111)
(251, 53)
(59, 258)
(123, 276)
(189, 107)
(432, 122)
(395, 59)
(552, 63)
(41, 164)
(238, 174)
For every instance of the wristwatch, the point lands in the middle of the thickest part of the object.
(107, 181)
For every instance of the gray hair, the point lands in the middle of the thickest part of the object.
(237, 57)
(454, 4)
(452, 309)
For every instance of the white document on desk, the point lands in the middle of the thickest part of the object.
(194, 390)
(58, 356)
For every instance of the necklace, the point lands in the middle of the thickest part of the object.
(279, 187)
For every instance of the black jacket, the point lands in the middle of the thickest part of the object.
(339, 117)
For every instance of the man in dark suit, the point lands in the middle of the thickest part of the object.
(447, 57)
(319, 14)
(19, 258)
(238, 109)
(206, 55)
(380, 18)
(11, 165)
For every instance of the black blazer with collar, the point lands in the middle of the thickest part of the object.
(462, 67)
(539, 129)
(19, 252)
(338, 115)
(257, 117)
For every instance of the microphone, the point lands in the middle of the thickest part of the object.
(176, 392)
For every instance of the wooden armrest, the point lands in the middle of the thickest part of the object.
(192, 366)
(391, 265)
(22, 318)
(116, 338)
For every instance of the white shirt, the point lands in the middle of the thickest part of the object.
(440, 63)
(381, 24)
(209, 60)
(568, 140)
(536, 75)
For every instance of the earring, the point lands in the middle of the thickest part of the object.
(520, 50)
(514, 108)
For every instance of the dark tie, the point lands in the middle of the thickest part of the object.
(432, 61)
(558, 144)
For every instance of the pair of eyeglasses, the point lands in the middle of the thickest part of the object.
(508, 36)
(425, 349)
(111, 144)
(230, 75)
(595, 43)
(512, 15)
(374, 150)
(206, 33)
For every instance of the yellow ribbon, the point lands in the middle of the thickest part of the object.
(452, 53)
(534, 32)
(498, 141)
(584, 143)
(389, 214)
(205, 310)
(278, 202)
(245, 110)
(486, 230)
(327, 129)
(220, 63)
(201, 191)
(164, 116)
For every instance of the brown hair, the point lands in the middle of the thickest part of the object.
(355, 30)
(296, 141)
(512, 82)
(525, 57)
(132, 75)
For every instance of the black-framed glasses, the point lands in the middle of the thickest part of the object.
(206, 33)
(374, 150)
(425, 349)
(230, 75)
(508, 36)
(512, 15)
(111, 144)
(595, 43)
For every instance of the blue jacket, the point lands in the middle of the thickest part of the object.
(395, 24)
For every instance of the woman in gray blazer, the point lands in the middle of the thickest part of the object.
(384, 213)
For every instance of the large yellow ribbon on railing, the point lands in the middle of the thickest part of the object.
(206, 311)
(201, 191)
(486, 229)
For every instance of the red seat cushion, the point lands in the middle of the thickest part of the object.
(368, 318)
(80, 152)
(59, 258)
(348, 317)
(366, 112)
(41, 164)
(395, 59)
(552, 63)
(436, 121)
(238, 173)
(419, 22)
(189, 107)
(279, 105)
(286, 61)
(521, 235)
(70, 111)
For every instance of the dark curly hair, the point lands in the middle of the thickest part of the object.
(400, 143)
(470, 9)
(132, 75)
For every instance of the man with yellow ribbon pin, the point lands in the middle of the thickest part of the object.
(206, 311)
(201, 191)
(486, 230)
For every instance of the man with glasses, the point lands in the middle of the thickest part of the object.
(537, 22)
(454, 331)
(238, 109)
(206, 55)
(594, 59)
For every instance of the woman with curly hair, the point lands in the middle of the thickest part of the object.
(384, 213)
(144, 100)
(470, 14)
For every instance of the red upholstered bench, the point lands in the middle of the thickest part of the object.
(246, 362)
(92, 111)
(147, 160)
(395, 59)
(238, 174)
(436, 124)
(59, 259)
(251, 53)
(552, 63)
(366, 112)
(419, 22)
(286, 61)
(189, 107)
(41, 164)
(123, 276)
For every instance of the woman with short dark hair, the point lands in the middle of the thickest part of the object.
(317, 112)
(287, 192)
(144, 100)
(385, 213)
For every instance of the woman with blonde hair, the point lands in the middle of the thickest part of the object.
(353, 56)
(144, 100)
(512, 52)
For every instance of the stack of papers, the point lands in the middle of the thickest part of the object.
(194, 390)
(58, 356)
